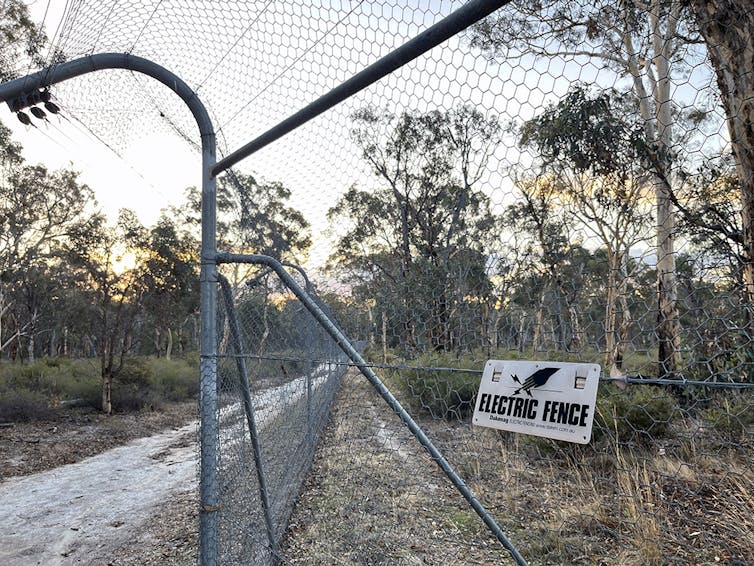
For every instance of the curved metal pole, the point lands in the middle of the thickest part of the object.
(210, 504)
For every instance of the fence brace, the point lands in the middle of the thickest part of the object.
(345, 344)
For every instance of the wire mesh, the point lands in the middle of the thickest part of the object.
(563, 181)
(271, 346)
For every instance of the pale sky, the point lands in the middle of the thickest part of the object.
(146, 178)
(318, 162)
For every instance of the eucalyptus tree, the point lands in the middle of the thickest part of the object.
(170, 280)
(21, 40)
(109, 263)
(540, 239)
(646, 42)
(728, 30)
(418, 235)
(39, 209)
(594, 162)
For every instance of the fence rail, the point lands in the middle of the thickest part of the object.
(561, 180)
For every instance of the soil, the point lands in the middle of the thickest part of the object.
(75, 433)
(374, 496)
(85, 488)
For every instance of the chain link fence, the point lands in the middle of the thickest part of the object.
(562, 181)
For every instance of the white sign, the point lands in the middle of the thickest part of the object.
(550, 399)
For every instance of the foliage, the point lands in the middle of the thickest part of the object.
(29, 392)
(22, 40)
(253, 217)
(171, 280)
(417, 243)
(595, 132)
(594, 163)
(642, 413)
(438, 392)
(731, 416)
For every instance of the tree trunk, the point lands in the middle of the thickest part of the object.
(559, 334)
(668, 318)
(53, 344)
(522, 333)
(107, 406)
(624, 326)
(538, 340)
(610, 312)
(728, 30)
(384, 338)
(157, 342)
(577, 332)
(179, 335)
(658, 123)
(30, 347)
(440, 324)
(169, 344)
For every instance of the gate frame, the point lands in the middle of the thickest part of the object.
(19, 93)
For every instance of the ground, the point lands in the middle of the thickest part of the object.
(78, 432)
(127, 495)
(375, 497)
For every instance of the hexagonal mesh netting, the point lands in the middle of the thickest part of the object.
(564, 181)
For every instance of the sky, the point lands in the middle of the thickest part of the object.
(147, 177)
(318, 162)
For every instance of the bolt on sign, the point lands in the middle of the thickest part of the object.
(550, 399)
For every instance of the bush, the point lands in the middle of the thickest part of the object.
(89, 390)
(175, 380)
(28, 392)
(440, 393)
(641, 412)
(135, 372)
(133, 398)
(730, 418)
(23, 405)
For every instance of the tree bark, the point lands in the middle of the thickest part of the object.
(107, 406)
(31, 347)
(610, 312)
(169, 344)
(728, 30)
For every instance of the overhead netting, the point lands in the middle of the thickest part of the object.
(556, 183)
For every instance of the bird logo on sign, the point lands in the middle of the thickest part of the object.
(537, 379)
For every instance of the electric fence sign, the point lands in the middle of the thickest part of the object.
(550, 399)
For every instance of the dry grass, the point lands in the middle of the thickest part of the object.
(375, 497)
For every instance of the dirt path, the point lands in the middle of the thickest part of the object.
(78, 513)
(91, 511)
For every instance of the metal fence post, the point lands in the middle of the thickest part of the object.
(208, 365)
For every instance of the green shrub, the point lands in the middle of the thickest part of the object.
(127, 397)
(89, 390)
(136, 372)
(27, 391)
(23, 405)
(440, 393)
(641, 412)
(174, 380)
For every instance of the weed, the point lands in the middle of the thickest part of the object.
(641, 529)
